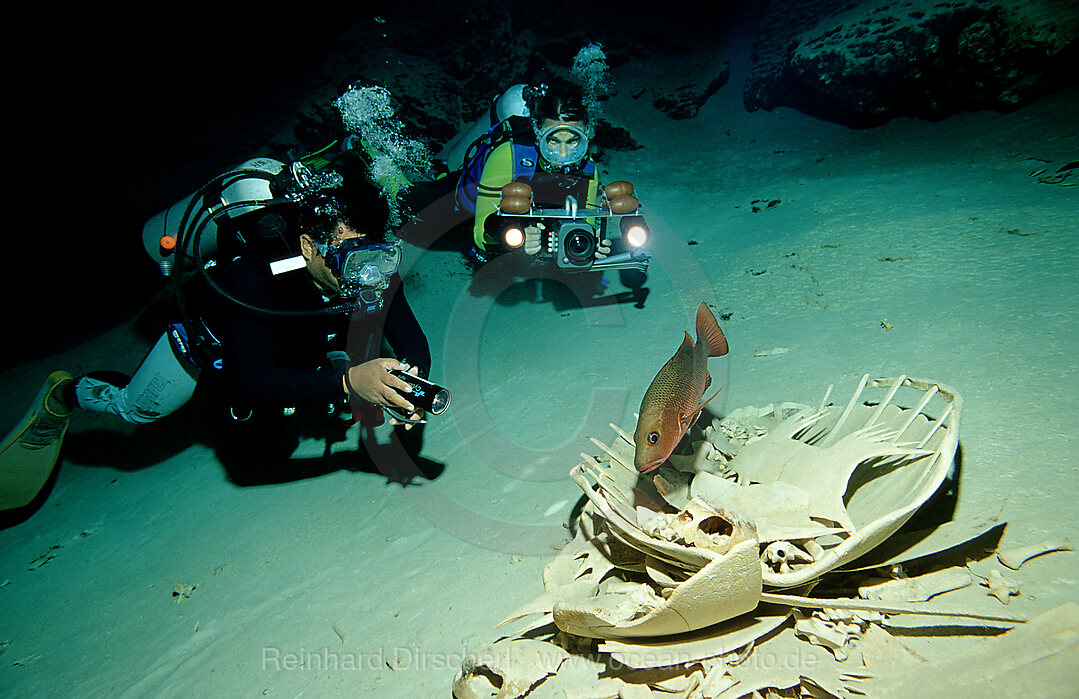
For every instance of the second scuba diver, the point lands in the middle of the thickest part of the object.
(542, 140)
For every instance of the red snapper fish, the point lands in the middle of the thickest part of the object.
(673, 399)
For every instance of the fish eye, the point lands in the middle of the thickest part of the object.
(653, 437)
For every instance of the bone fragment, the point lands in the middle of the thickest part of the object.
(772, 352)
(918, 589)
(1014, 558)
(882, 607)
(999, 586)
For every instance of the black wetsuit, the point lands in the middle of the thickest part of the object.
(273, 363)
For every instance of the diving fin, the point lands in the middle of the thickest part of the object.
(29, 452)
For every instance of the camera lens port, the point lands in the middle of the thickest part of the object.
(578, 245)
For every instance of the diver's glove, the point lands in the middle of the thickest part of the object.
(533, 236)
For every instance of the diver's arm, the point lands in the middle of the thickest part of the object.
(497, 172)
(408, 342)
(403, 331)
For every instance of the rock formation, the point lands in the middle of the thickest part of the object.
(872, 61)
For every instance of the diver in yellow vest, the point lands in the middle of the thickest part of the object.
(543, 145)
(547, 147)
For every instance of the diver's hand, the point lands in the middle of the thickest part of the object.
(417, 415)
(532, 238)
(373, 382)
(603, 249)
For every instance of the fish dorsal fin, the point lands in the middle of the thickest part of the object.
(709, 333)
(687, 343)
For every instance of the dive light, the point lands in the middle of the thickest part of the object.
(425, 395)
(634, 231)
(512, 235)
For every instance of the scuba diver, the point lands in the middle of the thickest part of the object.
(539, 135)
(546, 147)
(290, 287)
(288, 320)
(286, 286)
(286, 316)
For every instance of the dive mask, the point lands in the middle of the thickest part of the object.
(574, 139)
(358, 265)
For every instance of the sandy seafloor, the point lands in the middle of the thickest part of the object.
(938, 228)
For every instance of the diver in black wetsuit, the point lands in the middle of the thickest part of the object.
(275, 363)
(290, 333)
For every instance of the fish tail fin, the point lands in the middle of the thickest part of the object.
(709, 333)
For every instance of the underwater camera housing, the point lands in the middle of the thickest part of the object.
(571, 234)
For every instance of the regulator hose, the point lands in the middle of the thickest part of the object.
(201, 267)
